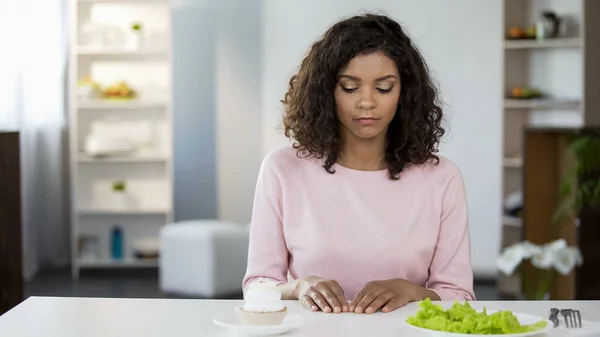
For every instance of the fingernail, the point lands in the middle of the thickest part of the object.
(351, 309)
(314, 307)
(385, 309)
(344, 309)
(358, 309)
(337, 309)
(327, 309)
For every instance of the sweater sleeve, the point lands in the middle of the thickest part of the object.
(450, 272)
(267, 250)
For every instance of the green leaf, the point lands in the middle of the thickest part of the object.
(564, 211)
(575, 193)
(595, 199)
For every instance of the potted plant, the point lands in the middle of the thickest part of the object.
(549, 260)
(137, 36)
(120, 199)
(580, 187)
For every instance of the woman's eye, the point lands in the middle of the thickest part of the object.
(350, 90)
(384, 91)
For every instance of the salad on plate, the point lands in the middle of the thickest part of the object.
(462, 318)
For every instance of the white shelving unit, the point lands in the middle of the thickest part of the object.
(553, 43)
(565, 69)
(104, 48)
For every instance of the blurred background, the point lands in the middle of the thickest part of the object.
(133, 131)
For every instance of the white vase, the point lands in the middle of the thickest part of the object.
(135, 40)
(122, 201)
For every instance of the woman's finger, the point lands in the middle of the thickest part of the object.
(339, 294)
(367, 300)
(331, 299)
(395, 303)
(357, 298)
(308, 303)
(320, 301)
(379, 302)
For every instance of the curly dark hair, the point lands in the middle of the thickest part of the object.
(310, 117)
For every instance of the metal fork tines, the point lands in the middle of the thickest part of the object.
(572, 318)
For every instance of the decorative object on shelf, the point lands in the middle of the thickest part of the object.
(120, 90)
(126, 137)
(518, 33)
(525, 93)
(89, 247)
(547, 260)
(120, 198)
(513, 204)
(136, 37)
(98, 145)
(91, 34)
(548, 26)
(147, 248)
(116, 243)
(87, 88)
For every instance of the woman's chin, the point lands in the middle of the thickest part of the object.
(369, 134)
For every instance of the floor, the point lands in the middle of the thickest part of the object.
(142, 284)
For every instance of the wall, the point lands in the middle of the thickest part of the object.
(238, 108)
(194, 105)
(462, 42)
(217, 61)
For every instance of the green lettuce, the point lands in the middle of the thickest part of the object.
(462, 318)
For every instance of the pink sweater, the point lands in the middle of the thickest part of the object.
(359, 226)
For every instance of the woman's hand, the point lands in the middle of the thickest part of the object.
(388, 295)
(318, 293)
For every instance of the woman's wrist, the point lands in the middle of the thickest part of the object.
(425, 293)
(289, 290)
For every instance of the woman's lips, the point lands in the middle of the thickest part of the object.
(366, 121)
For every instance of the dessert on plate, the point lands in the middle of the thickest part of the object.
(262, 307)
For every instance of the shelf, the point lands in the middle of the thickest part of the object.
(511, 103)
(83, 158)
(513, 162)
(550, 43)
(121, 1)
(122, 212)
(126, 263)
(90, 51)
(108, 104)
(512, 221)
(149, 69)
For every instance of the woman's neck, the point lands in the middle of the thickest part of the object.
(363, 154)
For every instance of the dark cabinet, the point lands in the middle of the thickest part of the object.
(11, 279)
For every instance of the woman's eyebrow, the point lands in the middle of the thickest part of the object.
(356, 79)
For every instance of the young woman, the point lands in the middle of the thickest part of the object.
(360, 211)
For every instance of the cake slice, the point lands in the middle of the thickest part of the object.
(262, 307)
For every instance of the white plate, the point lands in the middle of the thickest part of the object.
(524, 319)
(232, 323)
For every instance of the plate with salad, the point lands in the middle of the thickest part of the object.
(461, 320)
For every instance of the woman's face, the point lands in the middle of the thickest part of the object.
(367, 95)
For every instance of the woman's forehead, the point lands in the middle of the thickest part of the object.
(371, 66)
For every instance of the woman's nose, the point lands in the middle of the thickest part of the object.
(366, 100)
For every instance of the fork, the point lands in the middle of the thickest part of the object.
(572, 318)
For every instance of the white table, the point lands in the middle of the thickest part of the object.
(103, 317)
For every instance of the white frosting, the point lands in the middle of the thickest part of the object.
(263, 300)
